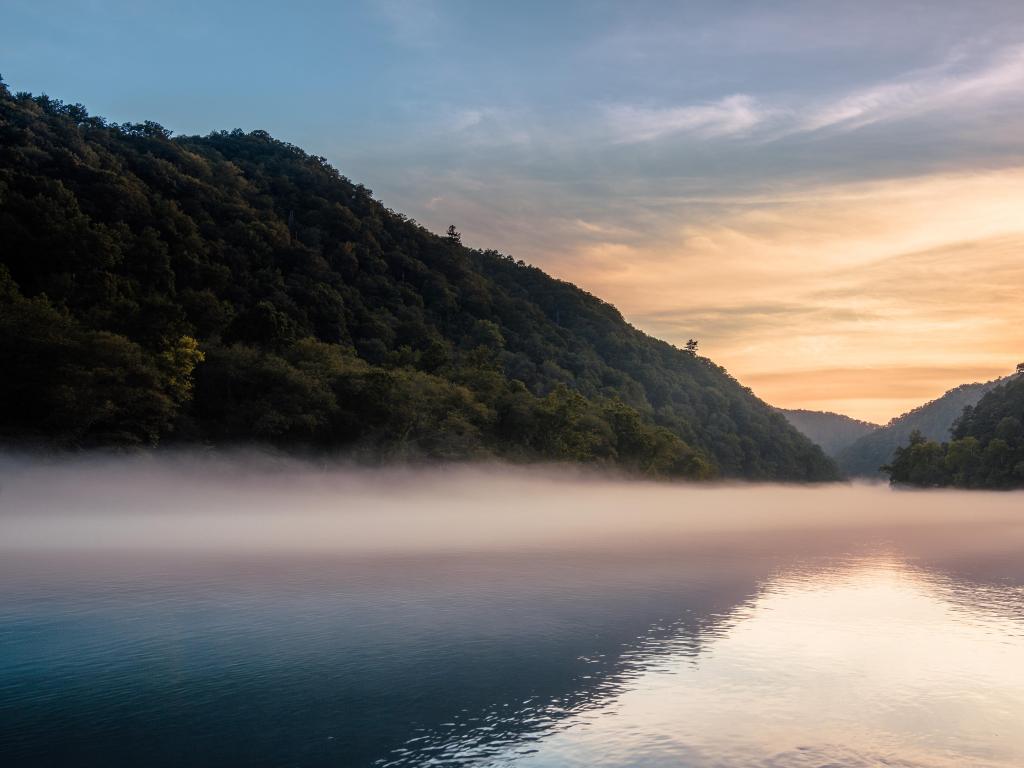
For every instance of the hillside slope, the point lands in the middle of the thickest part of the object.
(233, 288)
(933, 420)
(832, 431)
(986, 449)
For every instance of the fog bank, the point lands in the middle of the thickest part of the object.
(257, 502)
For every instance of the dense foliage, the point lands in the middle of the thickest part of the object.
(832, 431)
(986, 449)
(233, 288)
(933, 420)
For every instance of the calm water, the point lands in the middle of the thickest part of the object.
(197, 612)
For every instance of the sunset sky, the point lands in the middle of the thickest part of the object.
(828, 195)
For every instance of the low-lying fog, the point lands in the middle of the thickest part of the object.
(256, 502)
(210, 609)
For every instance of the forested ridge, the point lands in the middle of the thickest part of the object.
(934, 420)
(832, 431)
(986, 449)
(232, 288)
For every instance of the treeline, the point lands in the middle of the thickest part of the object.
(234, 288)
(986, 449)
(832, 431)
(934, 420)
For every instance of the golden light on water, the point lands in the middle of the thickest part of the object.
(860, 663)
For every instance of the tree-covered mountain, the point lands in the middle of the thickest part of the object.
(934, 420)
(233, 288)
(832, 431)
(986, 449)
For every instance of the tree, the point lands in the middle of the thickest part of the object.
(691, 346)
(454, 236)
(177, 364)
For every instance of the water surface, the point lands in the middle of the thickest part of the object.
(250, 611)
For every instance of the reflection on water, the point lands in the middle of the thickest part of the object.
(757, 626)
(865, 665)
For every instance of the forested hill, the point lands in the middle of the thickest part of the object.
(232, 288)
(933, 420)
(986, 449)
(832, 431)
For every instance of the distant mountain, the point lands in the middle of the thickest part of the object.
(986, 449)
(832, 431)
(232, 288)
(933, 420)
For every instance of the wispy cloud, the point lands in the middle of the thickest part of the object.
(486, 126)
(961, 83)
(730, 116)
(921, 92)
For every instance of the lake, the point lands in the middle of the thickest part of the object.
(203, 610)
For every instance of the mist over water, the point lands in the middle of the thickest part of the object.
(247, 609)
(264, 503)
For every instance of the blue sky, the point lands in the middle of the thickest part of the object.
(828, 194)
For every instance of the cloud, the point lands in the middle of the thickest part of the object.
(486, 126)
(959, 83)
(731, 116)
(727, 319)
(922, 92)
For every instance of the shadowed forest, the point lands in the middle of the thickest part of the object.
(232, 288)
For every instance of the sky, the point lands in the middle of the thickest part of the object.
(829, 196)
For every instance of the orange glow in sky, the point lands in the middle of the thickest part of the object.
(866, 299)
